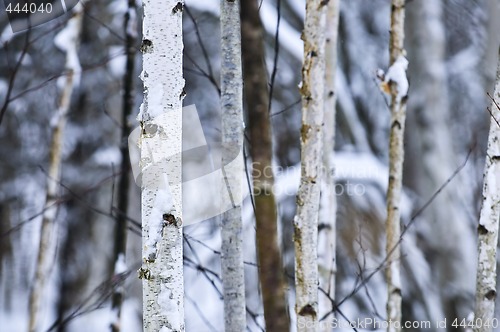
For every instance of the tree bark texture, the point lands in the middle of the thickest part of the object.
(311, 143)
(272, 281)
(160, 144)
(396, 158)
(232, 143)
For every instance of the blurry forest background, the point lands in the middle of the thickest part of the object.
(452, 47)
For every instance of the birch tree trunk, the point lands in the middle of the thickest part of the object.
(271, 273)
(308, 196)
(232, 142)
(429, 142)
(67, 41)
(486, 290)
(160, 144)
(327, 230)
(120, 246)
(396, 158)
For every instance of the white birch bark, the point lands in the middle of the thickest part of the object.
(232, 142)
(160, 143)
(486, 290)
(67, 41)
(396, 158)
(327, 233)
(308, 196)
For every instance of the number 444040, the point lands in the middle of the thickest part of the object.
(475, 323)
(29, 8)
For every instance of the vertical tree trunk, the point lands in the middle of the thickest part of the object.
(120, 247)
(327, 230)
(308, 196)
(232, 142)
(396, 157)
(486, 290)
(160, 143)
(430, 143)
(67, 41)
(271, 273)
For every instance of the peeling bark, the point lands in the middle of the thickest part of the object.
(308, 196)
